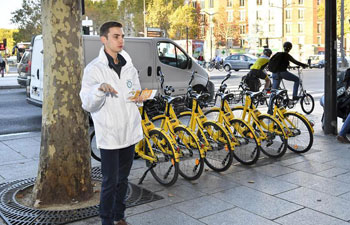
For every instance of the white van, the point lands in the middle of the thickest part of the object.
(149, 55)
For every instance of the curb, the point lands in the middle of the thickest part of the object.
(11, 87)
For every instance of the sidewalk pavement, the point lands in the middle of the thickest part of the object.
(306, 189)
(9, 81)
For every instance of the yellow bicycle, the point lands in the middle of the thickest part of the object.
(298, 128)
(159, 150)
(269, 130)
(247, 147)
(214, 138)
(191, 154)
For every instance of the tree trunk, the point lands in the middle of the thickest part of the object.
(64, 173)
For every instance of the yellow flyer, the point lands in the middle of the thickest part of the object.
(145, 94)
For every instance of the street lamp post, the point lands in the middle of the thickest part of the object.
(211, 31)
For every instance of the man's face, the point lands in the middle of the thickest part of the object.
(115, 41)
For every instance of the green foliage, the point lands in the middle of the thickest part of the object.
(224, 29)
(8, 34)
(101, 11)
(184, 17)
(28, 19)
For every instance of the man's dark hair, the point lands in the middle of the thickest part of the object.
(104, 29)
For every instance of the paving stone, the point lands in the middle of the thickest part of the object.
(137, 209)
(287, 162)
(310, 166)
(22, 144)
(309, 217)
(211, 183)
(333, 172)
(321, 157)
(166, 215)
(273, 170)
(10, 156)
(261, 182)
(257, 202)
(18, 171)
(203, 206)
(333, 206)
(315, 182)
(340, 162)
(236, 216)
(343, 177)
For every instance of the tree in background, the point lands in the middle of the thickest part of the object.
(159, 12)
(28, 19)
(131, 13)
(101, 11)
(223, 29)
(184, 17)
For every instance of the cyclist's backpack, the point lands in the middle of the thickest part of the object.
(274, 62)
(252, 82)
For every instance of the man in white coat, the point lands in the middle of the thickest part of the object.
(108, 83)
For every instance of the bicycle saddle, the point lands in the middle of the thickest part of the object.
(254, 94)
(171, 99)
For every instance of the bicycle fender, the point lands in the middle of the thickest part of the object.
(158, 117)
(304, 117)
(186, 113)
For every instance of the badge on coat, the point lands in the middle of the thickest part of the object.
(129, 83)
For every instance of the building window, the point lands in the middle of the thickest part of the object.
(259, 2)
(288, 28)
(271, 15)
(194, 4)
(258, 15)
(242, 15)
(288, 2)
(300, 27)
(202, 4)
(241, 2)
(271, 28)
(230, 16)
(229, 3)
(318, 28)
(301, 2)
(241, 42)
(288, 13)
(318, 2)
(242, 29)
(211, 3)
(319, 40)
(301, 13)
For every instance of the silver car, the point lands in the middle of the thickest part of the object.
(239, 61)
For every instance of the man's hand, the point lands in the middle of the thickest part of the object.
(107, 88)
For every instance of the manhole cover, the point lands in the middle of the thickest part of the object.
(14, 213)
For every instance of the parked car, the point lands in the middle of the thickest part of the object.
(23, 69)
(239, 61)
(319, 64)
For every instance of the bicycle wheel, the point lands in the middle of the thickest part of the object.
(95, 152)
(220, 68)
(247, 150)
(220, 155)
(275, 144)
(191, 162)
(307, 103)
(166, 169)
(210, 67)
(301, 138)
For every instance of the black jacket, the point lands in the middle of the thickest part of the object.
(284, 62)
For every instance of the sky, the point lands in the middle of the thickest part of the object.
(6, 7)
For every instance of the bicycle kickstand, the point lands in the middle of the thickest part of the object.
(145, 173)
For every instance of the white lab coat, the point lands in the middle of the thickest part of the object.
(117, 120)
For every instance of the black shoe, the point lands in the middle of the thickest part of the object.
(296, 98)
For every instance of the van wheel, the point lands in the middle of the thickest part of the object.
(236, 69)
(227, 68)
(28, 91)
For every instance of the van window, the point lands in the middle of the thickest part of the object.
(171, 55)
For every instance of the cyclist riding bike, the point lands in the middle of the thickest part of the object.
(280, 64)
(257, 71)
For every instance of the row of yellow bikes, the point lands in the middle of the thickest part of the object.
(182, 143)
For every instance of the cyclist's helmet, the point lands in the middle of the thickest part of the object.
(267, 52)
(287, 46)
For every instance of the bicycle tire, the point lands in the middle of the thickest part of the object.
(247, 150)
(297, 138)
(95, 152)
(307, 100)
(210, 68)
(191, 164)
(278, 142)
(220, 157)
(220, 68)
(169, 175)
